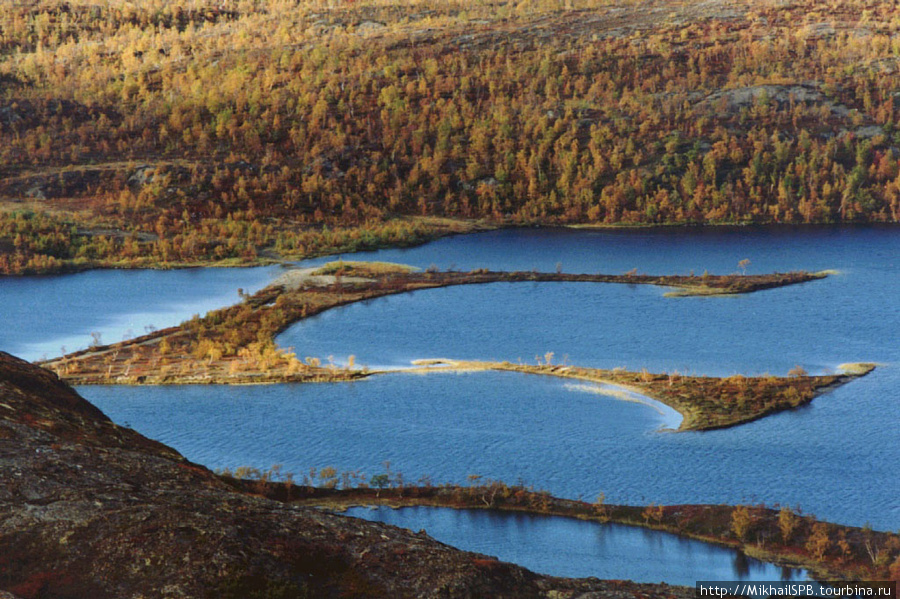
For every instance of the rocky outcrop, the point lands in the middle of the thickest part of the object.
(781, 96)
(91, 509)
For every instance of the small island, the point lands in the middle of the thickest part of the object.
(236, 345)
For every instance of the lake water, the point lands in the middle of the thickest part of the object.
(574, 548)
(852, 316)
(41, 315)
(670, 250)
(837, 458)
(543, 431)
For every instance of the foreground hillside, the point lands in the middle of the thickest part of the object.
(89, 509)
(154, 133)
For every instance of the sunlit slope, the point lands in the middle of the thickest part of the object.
(145, 133)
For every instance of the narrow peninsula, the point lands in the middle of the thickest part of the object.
(236, 345)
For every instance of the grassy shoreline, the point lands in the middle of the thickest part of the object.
(427, 229)
(221, 335)
(423, 230)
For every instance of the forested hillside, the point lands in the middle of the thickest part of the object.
(155, 132)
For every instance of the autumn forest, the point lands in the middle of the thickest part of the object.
(155, 133)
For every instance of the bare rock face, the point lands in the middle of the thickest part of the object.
(89, 509)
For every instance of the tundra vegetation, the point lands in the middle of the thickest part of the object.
(160, 134)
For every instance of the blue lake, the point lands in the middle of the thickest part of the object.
(545, 432)
(837, 458)
(852, 316)
(574, 548)
(658, 251)
(41, 315)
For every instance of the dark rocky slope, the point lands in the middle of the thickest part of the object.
(89, 509)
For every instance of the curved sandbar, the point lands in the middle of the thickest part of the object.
(705, 403)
